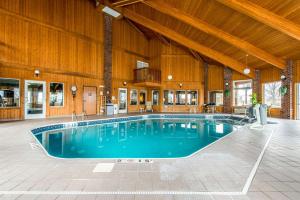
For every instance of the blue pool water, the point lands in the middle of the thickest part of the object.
(144, 138)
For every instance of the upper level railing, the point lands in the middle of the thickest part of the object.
(147, 75)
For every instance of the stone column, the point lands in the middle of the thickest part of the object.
(287, 99)
(257, 85)
(227, 87)
(108, 56)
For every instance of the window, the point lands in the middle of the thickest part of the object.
(141, 64)
(242, 91)
(142, 97)
(180, 98)
(192, 97)
(216, 97)
(56, 94)
(168, 97)
(9, 92)
(155, 97)
(133, 97)
(272, 94)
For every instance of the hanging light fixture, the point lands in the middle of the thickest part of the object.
(247, 69)
(170, 77)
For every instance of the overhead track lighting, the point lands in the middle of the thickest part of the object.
(111, 12)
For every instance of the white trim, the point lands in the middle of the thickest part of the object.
(152, 97)
(263, 93)
(19, 106)
(175, 98)
(215, 91)
(63, 95)
(142, 91)
(186, 96)
(174, 102)
(34, 116)
(137, 98)
(123, 110)
(233, 92)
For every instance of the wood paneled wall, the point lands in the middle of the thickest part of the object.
(64, 40)
(185, 69)
(61, 38)
(129, 45)
(215, 77)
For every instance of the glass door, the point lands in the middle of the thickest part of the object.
(35, 99)
(122, 100)
(298, 101)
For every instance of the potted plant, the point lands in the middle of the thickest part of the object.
(254, 99)
(227, 92)
(254, 102)
(283, 90)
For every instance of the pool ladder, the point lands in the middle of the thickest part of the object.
(75, 116)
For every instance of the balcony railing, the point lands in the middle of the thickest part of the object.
(147, 75)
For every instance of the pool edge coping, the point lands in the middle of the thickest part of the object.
(37, 142)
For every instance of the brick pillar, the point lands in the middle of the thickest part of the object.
(287, 100)
(108, 56)
(257, 85)
(227, 86)
(206, 82)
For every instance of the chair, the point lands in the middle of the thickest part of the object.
(149, 106)
(269, 110)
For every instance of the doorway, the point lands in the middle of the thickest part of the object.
(90, 100)
(35, 99)
(122, 100)
(298, 101)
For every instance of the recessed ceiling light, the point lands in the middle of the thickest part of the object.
(111, 12)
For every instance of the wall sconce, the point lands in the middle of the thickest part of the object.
(37, 72)
(283, 77)
(170, 77)
(180, 85)
(124, 83)
(74, 90)
(226, 83)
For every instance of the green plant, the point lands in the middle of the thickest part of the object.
(254, 99)
(227, 92)
(283, 90)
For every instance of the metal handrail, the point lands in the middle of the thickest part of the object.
(74, 116)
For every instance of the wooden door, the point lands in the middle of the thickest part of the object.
(90, 100)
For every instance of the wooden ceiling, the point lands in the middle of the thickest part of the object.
(267, 30)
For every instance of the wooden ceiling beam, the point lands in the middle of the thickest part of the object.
(264, 16)
(122, 3)
(195, 55)
(173, 35)
(135, 27)
(162, 39)
(216, 32)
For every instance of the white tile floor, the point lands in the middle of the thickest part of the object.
(223, 167)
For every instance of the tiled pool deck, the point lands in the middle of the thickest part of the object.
(221, 171)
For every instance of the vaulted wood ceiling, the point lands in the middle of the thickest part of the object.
(235, 28)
